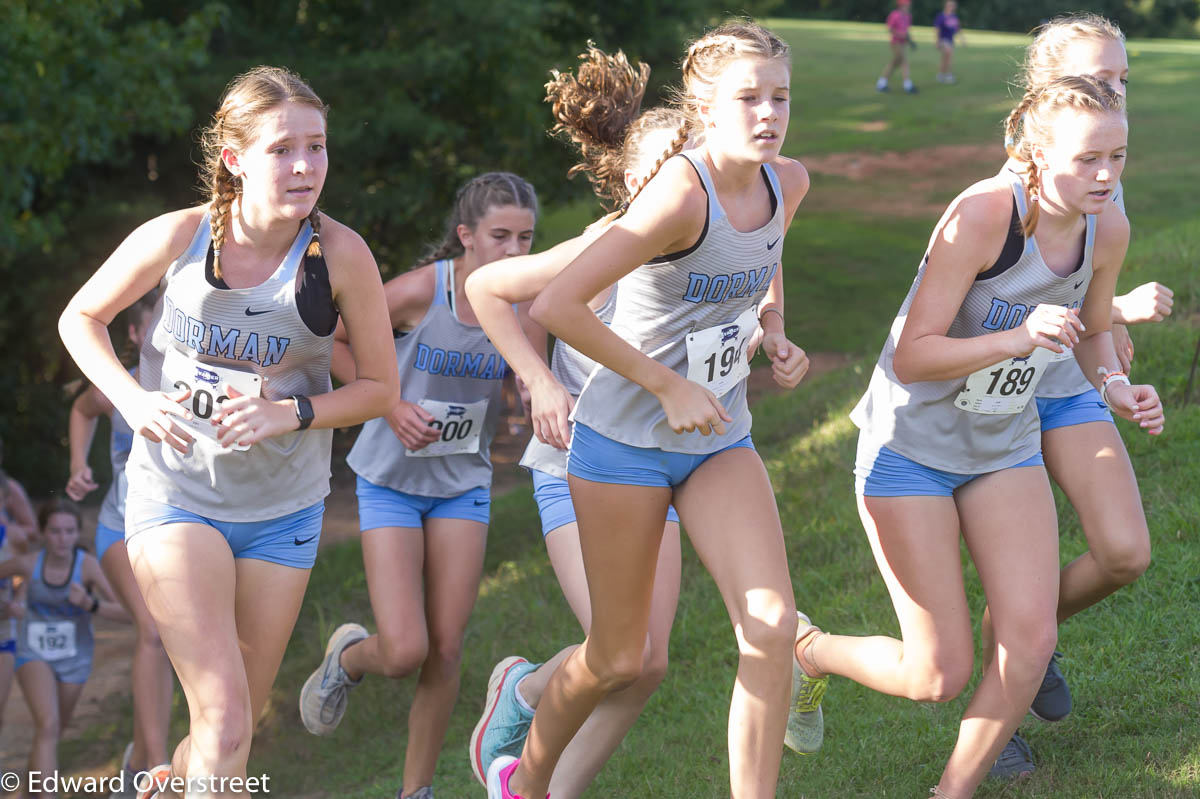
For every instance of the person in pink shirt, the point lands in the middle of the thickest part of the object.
(898, 22)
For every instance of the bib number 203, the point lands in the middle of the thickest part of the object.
(204, 381)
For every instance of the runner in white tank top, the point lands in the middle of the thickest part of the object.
(1083, 451)
(712, 223)
(424, 480)
(222, 522)
(153, 682)
(615, 167)
(913, 503)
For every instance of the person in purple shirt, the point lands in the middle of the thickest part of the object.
(947, 26)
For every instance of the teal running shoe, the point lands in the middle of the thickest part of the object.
(504, 724)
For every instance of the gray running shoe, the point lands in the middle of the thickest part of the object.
(806, 722)
(1015, 761)
(126, 788)
(1053, 700)
(422, 793)
(324, 695)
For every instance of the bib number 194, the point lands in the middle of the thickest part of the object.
(717, 355)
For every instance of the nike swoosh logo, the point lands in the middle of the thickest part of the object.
(258, 313)
(480, 502)
(1080, 283)
(772, 244)
(299, 542)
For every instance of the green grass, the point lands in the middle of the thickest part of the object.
(851, 254)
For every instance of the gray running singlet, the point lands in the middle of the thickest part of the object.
(53, 629)
(112, 510)
(693, 314)
(927, 421)
(571, 369)
(453, 371)
(204, 336)
(1064, 378)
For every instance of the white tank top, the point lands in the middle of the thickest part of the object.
(203, 336)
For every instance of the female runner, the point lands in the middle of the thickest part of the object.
(950, 437)
(1084, 453)
(424, 480)
(664, 418)
(232, 409)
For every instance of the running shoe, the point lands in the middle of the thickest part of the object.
(498, 775)
(806, 721)
(1015, 761)
(504, 724)
(422, 793)
(1053, 700)
(127, 787)
(324, 695)
(155, 778)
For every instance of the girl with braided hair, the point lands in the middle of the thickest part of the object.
(663, 419)
(424, 479)
(1021, 266)
(599, 111)
(1083, 451)
(232, 410)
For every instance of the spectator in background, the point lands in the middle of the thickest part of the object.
(898, 23)
(947, 25)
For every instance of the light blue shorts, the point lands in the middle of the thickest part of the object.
(884, 473)
(380, 506)
(598, 458)
(555, 508)
(105, 538)
(1068, 411)
(289, 540)
(74, 671)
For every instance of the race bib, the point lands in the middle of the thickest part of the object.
(204, 380)
(460, 424)
(717, 355)
(1004, 387)
(51, 640)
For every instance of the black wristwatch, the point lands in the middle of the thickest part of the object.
(95, 604)
(304, 411)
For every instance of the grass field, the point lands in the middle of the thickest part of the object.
(883, 167)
